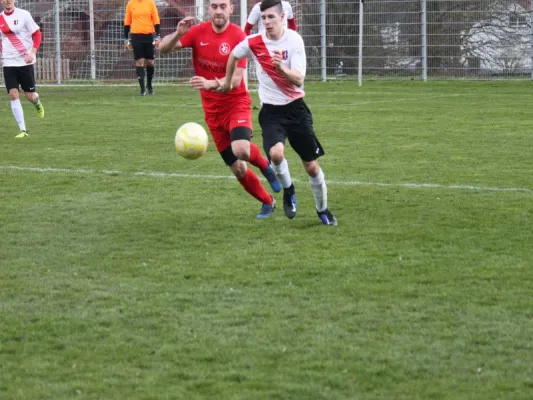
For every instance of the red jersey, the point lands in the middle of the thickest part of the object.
(210, 53)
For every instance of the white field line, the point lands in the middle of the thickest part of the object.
(209, 176)
(314, 105)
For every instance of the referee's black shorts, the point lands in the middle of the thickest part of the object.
(292, 121)
(20, 76)
(143, 46)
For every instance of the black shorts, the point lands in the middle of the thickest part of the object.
(20, 76)
(143, 46)
(293, 121)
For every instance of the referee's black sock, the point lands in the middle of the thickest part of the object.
(140, 77)
(150, 69)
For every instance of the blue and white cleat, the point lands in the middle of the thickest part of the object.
(327, 217)
(289, 202)
(270, 176)
(267, 210)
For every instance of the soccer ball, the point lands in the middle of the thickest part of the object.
(191, 141)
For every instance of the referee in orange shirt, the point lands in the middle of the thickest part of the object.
(142, 32)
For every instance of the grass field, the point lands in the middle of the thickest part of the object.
(129, 273)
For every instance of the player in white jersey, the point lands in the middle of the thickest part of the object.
(255, 18)
(280, 61)
(20, 39)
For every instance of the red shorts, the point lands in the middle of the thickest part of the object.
(228, 117)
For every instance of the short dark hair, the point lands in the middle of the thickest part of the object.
(266, 4)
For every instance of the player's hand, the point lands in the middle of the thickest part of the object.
(224, 86)
(156, 41)
(200, 83)
(29, 58)
(277, 59)
(185, 24)
(127, 44)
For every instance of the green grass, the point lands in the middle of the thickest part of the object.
(129, 273)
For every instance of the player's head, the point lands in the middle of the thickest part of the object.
(220, 11)
(272, 17)
(9, 5)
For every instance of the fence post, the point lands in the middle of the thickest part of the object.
(531, 38)
(323, 64)
(424, 40)
(58, 43)
(360, 62)
(91, 38)
(243, 5)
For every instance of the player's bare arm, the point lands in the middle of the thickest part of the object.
(199, 83)
(294, 77)
(228, 83)
(172, 42)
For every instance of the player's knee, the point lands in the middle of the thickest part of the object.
(14, 94)
(277, 153)
(150, 63)
(139, 62)
(239, 169)
(311, 167)
(241, 149)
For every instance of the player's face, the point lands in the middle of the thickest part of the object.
(220, 10)
(273, 21)
(9, 5)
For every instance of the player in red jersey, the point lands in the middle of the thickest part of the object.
(228, 115)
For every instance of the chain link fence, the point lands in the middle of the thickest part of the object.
(411, 39)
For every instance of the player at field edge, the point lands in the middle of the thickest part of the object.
(255, 18)
(227, 115)
(280, 61)
(20, 38)
(141, 22)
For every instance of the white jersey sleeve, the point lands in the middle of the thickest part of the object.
(255, 15)
(298, 60)
(242, 50)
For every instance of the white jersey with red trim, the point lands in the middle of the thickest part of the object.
(274, 88)
(255, 15)
(16, 30)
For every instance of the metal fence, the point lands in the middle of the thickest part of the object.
(413, 39)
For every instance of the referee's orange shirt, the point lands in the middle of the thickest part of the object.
(141, 16)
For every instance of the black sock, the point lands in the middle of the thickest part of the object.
(150, 69)
(140, 77)
(290, 189)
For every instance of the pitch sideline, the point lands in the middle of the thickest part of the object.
(154, 174)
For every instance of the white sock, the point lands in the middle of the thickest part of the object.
(283, 174)
(320, 191)
(18, 113)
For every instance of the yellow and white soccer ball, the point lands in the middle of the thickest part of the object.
(191, 141)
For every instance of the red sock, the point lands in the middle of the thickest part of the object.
(252, 185)
(256, 158)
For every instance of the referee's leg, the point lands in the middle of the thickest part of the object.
(150, 66)
(138, 56)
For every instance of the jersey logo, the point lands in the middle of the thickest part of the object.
(16, 22)
(224, 49)
(285, 54)
(204, 43)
